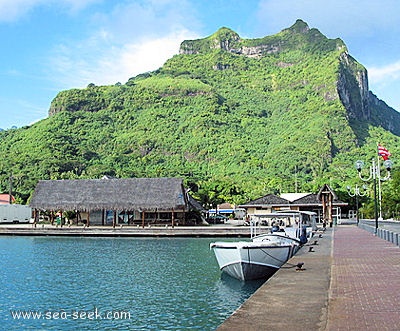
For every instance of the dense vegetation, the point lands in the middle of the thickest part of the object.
(234, 126)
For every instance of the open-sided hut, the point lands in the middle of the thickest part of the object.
(115, 201)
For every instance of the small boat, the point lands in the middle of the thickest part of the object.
(265, 253)
(250, 260)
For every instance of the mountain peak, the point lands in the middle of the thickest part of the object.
(299, 26)
(225, 33)
(299, 35)
(224, 38)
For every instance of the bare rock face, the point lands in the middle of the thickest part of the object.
(353, 88)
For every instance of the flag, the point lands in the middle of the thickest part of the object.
(382, 151)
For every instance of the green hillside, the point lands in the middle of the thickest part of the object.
(237, 118)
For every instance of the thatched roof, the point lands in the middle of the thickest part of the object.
(110, 194)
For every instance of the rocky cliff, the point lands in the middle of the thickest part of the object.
(352, 78)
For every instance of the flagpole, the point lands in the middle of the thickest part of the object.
(375, 175)
(378, 167)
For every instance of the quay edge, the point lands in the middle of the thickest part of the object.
(291, 299)
(124, 231)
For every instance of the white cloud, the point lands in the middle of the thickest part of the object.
(11, 10)
(386, 73)
(110, 64)
(76, 5)
(132, 38)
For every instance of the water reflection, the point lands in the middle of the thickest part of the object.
(237, 291)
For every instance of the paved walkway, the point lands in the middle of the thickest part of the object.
(351, 281)
(365, 282)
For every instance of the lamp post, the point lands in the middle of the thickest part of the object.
(356, 192)
(375, 175)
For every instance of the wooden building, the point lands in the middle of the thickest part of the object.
(141, 201)
(298, 201)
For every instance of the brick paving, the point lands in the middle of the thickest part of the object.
(365, 282)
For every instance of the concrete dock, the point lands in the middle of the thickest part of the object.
(350, 280)
(124, 231)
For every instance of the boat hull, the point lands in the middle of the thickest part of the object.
(249, 271)
(251, 260)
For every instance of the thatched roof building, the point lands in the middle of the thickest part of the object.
(110, 194)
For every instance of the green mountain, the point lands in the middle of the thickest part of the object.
(237, 118)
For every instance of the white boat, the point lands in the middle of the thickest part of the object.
(265, 253)
(249, 260)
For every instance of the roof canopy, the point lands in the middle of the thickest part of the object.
(110, 194)
(293, 199)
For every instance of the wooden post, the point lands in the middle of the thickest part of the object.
(114, 218)
(10, 201)
(327, 199)
(88, 219)
(173, 218)
(103, 212)
(143, 219)
(35, 217)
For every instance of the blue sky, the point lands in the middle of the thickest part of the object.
(51, 45)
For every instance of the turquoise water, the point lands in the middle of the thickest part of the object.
(52, 283)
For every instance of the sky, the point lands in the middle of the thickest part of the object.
(48, 46)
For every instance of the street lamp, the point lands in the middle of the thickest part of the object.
(375, 175)
(356, 192)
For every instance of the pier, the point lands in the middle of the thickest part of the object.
(124, 231)
(350, 280)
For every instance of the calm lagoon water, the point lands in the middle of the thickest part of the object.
(114, 284)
